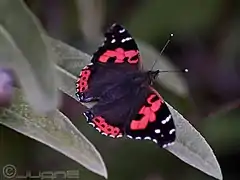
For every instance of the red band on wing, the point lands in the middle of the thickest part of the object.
(120, 55)
(130, 55)
(106, 128)
(148, 113)
(155, 105)
(82, 83)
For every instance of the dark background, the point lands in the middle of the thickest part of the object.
(207, 41)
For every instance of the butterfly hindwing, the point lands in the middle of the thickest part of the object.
(153, 122)
(140, 114)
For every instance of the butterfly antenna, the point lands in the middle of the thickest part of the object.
(164, 47)
(181, 71)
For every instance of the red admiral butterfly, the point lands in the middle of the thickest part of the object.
(127, 104)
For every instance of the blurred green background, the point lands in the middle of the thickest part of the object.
(207, 41)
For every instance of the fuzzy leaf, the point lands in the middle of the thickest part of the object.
(190, 146)
(23, 49)
(54, 130)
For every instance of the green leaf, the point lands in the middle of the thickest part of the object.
(23, 49)
(54, 130)
(190, 146)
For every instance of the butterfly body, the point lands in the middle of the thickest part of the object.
(127, 104)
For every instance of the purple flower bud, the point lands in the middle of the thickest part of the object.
(6, 88)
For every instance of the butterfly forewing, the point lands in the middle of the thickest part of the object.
(119, 48)
(119, 53)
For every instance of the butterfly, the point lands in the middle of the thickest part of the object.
(127, 105)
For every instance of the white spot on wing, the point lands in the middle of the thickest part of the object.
(165, 145)
(129, 136)
(119, 136)
(147, 138)
(154, 140)
(157, 131)
(139, 138)
(126, 39)
(98, 129)
(92, 124)
(121, 30)
(113, 41)
(166, 120)
(171, 131)
(112, 136)
(170, 144)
